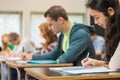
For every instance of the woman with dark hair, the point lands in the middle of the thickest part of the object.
(49, 37)
(106, 13)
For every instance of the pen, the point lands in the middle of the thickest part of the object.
(87, 56)
(23, 49)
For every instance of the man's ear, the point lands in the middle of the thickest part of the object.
(111, 11)
(60, 20)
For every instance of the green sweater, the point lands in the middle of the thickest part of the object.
(80, 44)
(11, 47)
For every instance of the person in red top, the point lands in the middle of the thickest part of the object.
(49, 43)
(49, 38)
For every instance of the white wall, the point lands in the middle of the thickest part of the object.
(28, 6)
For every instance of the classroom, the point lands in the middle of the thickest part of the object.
(59, 39)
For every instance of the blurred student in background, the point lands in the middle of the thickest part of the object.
(7, 47)
(48, 44)
(49, 38)
(98, 43)
(21, 45)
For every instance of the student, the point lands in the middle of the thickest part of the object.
(49, 39)
(74, 41)
(98, 42)
(7, 47)
(106, 14)
(21, 45)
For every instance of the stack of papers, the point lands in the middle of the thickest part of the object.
(83, 70)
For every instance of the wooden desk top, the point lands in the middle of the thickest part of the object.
(13, 64)
(45, 73)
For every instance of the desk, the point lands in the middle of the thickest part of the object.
(2, 69)
(46, 74)
(1, 65)
(18, 67)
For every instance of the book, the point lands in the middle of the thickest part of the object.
(83, 70)
(42, 62)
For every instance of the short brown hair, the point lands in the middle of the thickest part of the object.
(13, 36)
(55, 12)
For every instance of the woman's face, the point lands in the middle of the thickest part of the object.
(5, 39)
(99, 18)
(41, 34)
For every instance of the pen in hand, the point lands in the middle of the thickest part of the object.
(87, 56)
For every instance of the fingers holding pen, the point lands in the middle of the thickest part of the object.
(88, 62)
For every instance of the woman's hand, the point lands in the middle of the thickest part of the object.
(89, 62)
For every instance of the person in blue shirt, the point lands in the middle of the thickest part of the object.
(98, 43)
(73, 43)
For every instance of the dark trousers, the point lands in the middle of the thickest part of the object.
(13, 74)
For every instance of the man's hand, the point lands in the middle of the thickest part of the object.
(25, 56)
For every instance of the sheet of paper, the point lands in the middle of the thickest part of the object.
(2, 57)
(82, 70)
(21, 62)
(89, 70)
(13, 58)
(67, 68)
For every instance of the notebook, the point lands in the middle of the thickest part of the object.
(83, 70)
(42, 62)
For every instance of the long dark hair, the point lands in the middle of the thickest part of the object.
(112, 32)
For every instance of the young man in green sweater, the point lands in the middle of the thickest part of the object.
(74, 41)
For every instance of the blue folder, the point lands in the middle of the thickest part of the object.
(42, 62)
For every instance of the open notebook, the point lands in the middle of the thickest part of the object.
(83, 70)
(37, 62)
(42, 62)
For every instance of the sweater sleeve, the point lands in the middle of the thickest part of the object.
(53, 55)
(114, 63)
